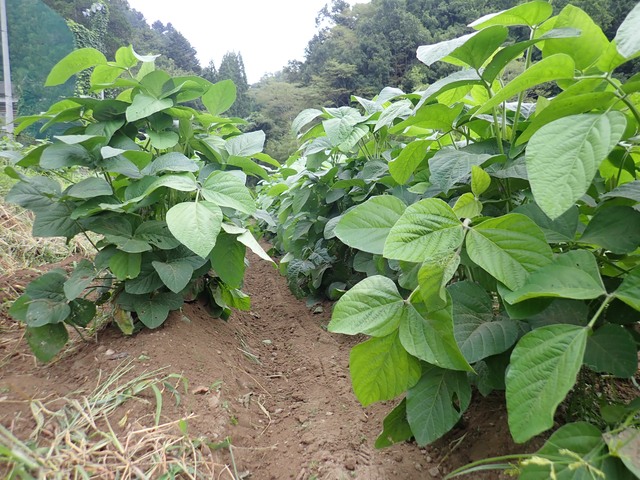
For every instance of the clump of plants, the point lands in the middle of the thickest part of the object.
(158, 188)
(515, 261)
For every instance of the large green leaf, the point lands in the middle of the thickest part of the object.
(612, 349)
(152, 310)
(478, 333)
(61, 155)
(575, 452)
(47, 341)
(246, 144)
(373, 306)
(196, 225)
(481, 46)
(75, 62)
(43, 311)
(220, 96)
(427, 229)
(56, 221)
(564, 155)
(430, 54)
(402, 167)
(450, 166)
(561, 230)
(627, 38)
(367, 225)
(530, 14)
(629, 289)
(174, 274)
(429, 336)
(615, 228)
(554, 67)
(509, 248)
(227, 259)
(156, 232)
(83, 274)
(544, 367)
(89, 188)
(227, 190)
(395, 427)
(433, 277)
(125, 265)
(381, 369)
(170, 162)
(144, 106)
(436, 403)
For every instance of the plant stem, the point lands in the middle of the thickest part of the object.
(604, 304)
(527, 64)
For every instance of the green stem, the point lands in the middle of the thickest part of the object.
(527, 64)
(498, 131)
(604, 304)
(624, 159)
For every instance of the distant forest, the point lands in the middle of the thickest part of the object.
(354, 51)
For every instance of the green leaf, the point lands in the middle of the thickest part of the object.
(563, 157)
(629, 289)
(195, 225)
(82, 312)
(128, 244)
(437, 403)
(427, 229)
(612, 349)
(61, 155)
(626, 446)
(478, 49)
(402, 167)
(125, 265)
(480, 180)
(90, 188)
(544, 367)
(381, 369)
(227, 259)
(627, 38)
(509, 248)
(554, 67)
(449, 166)
(430, 54)
(174, 274)
(615, 228)
(49, 286)
(156, 232)
(55, 221)
(47, 341)
(304, 118)
(530, 14)
(164, 139)
(144, 106)
(395, 427)
(220, 96)
(153, 310)
(433, 277)
(478, 333)
(246, 144)
(373, 306)
(74, 63)
(227, 190)
(368, 224)
(429, 336)
(147, 280)
(467, 206)
(248, 166)
(83, 274)
(170, 162)
(43, 311)
(561, 230)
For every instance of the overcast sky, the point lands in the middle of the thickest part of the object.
(268, 33)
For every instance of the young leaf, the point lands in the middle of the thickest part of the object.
(477, 332)
(381, 369)
(436, 403)
(427, 229)
(227, 190)
(433, 277)
(196, 225)
(125, 265)
(509, 248)
(47, 341)
(564, 155)
(480, 180)
(227, 259)
(544, 367)
(612, 349)
(368, 224)
(75, 62)
(467, 206)
(402, 167)
(395, 427)
(373, 306)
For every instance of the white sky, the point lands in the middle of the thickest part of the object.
(268, 33)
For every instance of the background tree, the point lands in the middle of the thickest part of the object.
(232, 68)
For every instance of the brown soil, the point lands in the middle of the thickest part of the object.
(272, 379)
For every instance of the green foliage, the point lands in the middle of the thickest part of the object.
(160, 187)
(498, 237)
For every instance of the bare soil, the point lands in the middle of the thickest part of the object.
(272, 379)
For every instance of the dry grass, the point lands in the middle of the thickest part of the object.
(79, 441)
